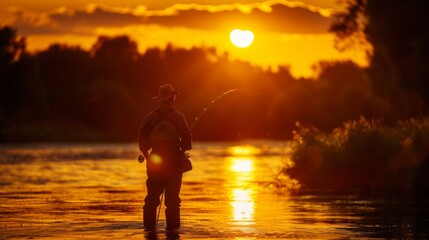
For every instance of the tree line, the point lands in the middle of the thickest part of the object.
(66, 93)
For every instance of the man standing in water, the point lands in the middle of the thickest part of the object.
(165, 132)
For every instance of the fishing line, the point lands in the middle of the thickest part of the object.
(213, 102)
(160, 204)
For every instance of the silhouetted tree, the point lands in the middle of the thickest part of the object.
(11, 48)
(399, 37)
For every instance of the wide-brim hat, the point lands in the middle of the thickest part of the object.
(166, 91)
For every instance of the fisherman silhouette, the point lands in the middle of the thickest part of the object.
(165, 133)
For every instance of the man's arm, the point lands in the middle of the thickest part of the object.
(184, 133)
(144, 142)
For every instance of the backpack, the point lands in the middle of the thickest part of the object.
(164, 129)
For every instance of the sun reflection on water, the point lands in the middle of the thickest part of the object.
(242, 165)
(242, 193)
(245, 150)
(243, 205)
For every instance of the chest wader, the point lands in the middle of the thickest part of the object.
(164, 177)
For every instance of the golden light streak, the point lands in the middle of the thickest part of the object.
(243, 205)
(244, 150)
(297, 50)
(242, 165)
(243, 194)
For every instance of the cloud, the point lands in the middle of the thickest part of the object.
(63, 21)
(95, 18)
(275, 16)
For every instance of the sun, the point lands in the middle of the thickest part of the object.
(241, 38)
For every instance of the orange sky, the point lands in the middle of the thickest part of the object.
(286, 33)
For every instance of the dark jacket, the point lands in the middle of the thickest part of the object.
(170, 151)
(185, 137)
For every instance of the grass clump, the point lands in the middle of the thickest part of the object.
(363, 154)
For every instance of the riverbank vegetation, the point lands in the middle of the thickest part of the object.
(363, 154)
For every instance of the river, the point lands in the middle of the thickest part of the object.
(96, 191)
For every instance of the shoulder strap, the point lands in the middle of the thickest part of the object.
(162, 116)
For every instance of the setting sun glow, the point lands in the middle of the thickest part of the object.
(241, 38)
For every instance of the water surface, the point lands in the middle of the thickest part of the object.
(96, 191)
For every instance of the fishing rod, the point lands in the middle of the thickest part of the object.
(141, 158)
